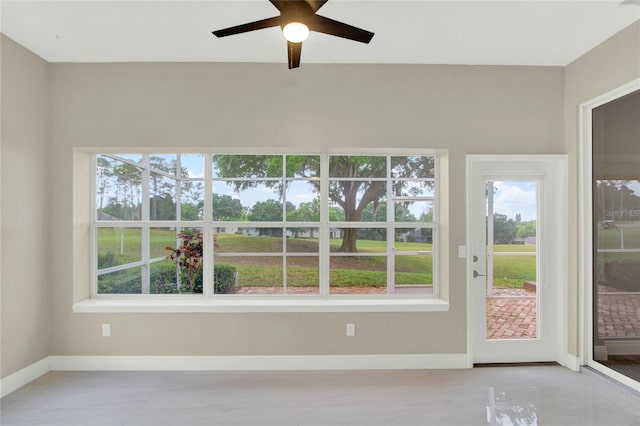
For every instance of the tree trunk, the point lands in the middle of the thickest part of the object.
(349, 240)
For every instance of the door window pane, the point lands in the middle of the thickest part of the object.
(512, 263)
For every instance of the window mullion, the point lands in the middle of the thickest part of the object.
(207, 231)
(324, 262)
(146, 230)
(178, 187)
(283, 199)
(94, 230)
(390, 231)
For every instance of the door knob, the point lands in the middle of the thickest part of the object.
(476, 274)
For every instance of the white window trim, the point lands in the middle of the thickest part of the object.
(269, 303)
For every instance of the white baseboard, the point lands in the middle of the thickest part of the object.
(231, 363)
(276, 362)
(571, 362)
(22, 377)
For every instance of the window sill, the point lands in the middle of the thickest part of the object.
(249, 305)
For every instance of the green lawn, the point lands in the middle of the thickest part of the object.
(513, 271)
(509, 271)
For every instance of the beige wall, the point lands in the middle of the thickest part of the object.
(26, 206)
(606, 67)
(466, 109)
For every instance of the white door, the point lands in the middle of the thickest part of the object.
(516, 263)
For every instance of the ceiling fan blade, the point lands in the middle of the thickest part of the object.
(251, 26)
(316, 4)
(279, 4)
(289, 4)
(294, 50)
(339, 29)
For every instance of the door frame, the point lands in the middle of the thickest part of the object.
(585, 231)
(558, 165)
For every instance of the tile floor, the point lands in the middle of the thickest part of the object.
(523, 395)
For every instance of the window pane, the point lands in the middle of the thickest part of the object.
(412, 211)
(161, 238)
(617, 238)
(413, 239)
(227, 207)
(303, 166)
(247, 166)
(162, 197)
(413, 166)
(358, 275)
(303, 275)
(303, 201)
(413, 260)
(163, 162)
(259, 199)
(249, 240)
(128, 281)
(414, 269)
(357, 166)
(164, 277)
(192, 166)
(253, 274)
(118, 190)
(188, 257)
(303, 240)
(353, 194)
(360, 240)
(118, 246)
(192, 200)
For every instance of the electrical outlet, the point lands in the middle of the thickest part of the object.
(351, 330)
(106, 330)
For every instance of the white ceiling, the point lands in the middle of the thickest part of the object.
(503, 32)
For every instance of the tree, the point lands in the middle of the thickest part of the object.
(226, 207)
(104, 175)
(504, 229)
(128, 190)
(306, 212)
(526, 229)
(161, 188)
(350, 185)
(267, 211)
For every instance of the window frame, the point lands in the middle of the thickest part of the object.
(438, 301)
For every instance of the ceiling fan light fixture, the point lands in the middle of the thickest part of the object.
(295, 32)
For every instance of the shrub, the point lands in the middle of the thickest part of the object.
(188, 258)
(121, 282)
(107, 260)
(224, 277)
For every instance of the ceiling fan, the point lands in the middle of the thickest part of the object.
(297, 18)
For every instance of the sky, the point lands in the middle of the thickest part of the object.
(513, 197)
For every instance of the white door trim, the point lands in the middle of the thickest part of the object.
(561, 246)
(585, 231)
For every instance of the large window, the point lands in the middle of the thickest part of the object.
(314, 225)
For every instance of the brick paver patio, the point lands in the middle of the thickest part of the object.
(511, 314)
